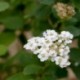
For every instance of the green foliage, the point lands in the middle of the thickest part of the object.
(47, 2)
(19, 76)
(31, 9)
(32, 69)
(6, 38)
(11, 19)
(19, 17)
(75, 31)
(76, 3)
(75, 54)
(3, 50)
(4, 6)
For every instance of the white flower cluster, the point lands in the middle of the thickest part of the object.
(52, 46)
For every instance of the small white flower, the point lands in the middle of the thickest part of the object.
(51, 35)
(64, 51)
(68, 41)
(62, 61)
(53, 53)
(43, 56)
(30, 46)
(60, 41)
(66, 35)
(53, 56)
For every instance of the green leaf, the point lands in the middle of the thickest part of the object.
(48, 77)
(24, 58)
(61, 72)
(43, 12)
(3, 6)
(47, 2)
(19, 76)
(76, 3)
(6, 38)
(31, 9)
(70, 22)
(14, 3)
(39, 26)
(75, 54)
(3, 50)
(12, 21)
(49, 71)
(32, 69)
(79, 41)
(75, 31)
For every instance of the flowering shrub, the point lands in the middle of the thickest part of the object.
(39, 39)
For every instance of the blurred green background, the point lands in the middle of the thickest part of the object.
(22, 19)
